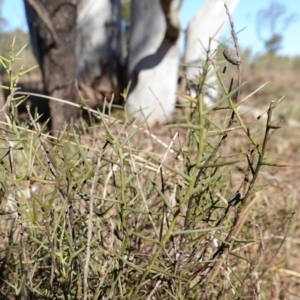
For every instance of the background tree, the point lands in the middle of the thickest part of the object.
(271, 24)
(151, 62)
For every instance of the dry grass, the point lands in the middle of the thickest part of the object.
(96, 213)
(280, 195)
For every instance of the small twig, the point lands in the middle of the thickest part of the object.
(55, 173)
(238, 52)
(280, 246)
(251, 94)
(233, 233)
(6, 107)
(22, 256)
(158, 283)
(54, 269)
(168, 149)
(90, 229)
(238, 220)
(143, 196)
(50, 161)
(240, 194)
(103, 278)
(96, 115)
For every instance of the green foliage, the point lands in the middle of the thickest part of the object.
(91, 214)
(273, 44)
(21, 38)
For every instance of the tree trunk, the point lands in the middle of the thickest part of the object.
(52, 25)
(206, 24)
(98, 38)
(153, 59)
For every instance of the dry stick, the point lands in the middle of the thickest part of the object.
(50, 161)
(278, 249)
(212, 155)
(6, 107)
(231, 120)
(154, 168)
(237, 230)
(223, 137)
(170, 145)
(52, 246)
(52, 167)
(243, 187)
(251, 94)
(150, 266)
(139, 185)
(238, 52)
(90, 230)
(55, 173)
(16, 196)
(224, 250)
(6, 110)
(158, 283)
(95, 113)
(102, 278)
(237, 223)
(261, 274)
(261, 155)
(208, 160)
(255, 282)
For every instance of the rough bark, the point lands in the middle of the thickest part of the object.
(55, 51)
